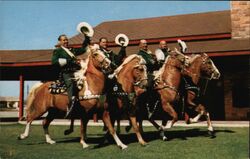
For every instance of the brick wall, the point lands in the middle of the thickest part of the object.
(240, 18)
(231, 112)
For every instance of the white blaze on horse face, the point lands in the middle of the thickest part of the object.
(216, 74)
(187, 61)
(96, 49)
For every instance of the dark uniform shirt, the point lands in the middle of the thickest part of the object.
(116, 59)
(150, 61)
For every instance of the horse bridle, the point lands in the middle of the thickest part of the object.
(102, 63)
(205, 61)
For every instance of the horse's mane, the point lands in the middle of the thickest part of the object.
(193, 57)
(127, 60)
(158, 73)
(80, 74)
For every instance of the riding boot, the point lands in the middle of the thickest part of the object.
(70, 109)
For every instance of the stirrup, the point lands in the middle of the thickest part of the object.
(69, 112)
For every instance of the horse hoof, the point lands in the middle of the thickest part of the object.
(164, 138)
(85, 146)
(51, 142)
(123, 147)
(144, 144)
(67, 132)
(21, 137)
(211, 134)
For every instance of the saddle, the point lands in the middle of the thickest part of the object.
(59, 86)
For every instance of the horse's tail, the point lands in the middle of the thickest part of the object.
(31, 97)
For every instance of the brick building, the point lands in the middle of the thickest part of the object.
(223, 35)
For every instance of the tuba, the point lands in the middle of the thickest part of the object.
(122, 40)
(85, 28)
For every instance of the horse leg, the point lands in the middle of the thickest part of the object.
(159, 128)
(118, 127)
(136, 130)
(30, 117)
(209, 123)
(71, 128)
(189, 101)
(46, 122)
(107, 121)
(83, 131)
(202, 111)
(127, 128)
(26, 131)
(168, 108)
(140, 126)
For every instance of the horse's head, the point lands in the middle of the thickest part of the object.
(132, 72)
(100, 61)
(208, 68)
(177, 59)
(140, 73)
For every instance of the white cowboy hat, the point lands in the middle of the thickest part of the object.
(122, 40)
(85, 28)
(182, 45)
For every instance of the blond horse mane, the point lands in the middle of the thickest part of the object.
(127, 60)
(80, 75)
(159, 73)
(193, 57)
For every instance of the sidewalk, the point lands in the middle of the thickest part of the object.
(180, 123)
(11, 117)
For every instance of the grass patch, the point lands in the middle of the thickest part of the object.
(230, 143)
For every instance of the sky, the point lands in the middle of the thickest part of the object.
(30, 25)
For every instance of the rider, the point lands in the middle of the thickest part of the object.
(150, 61)
(65, 59)
(162, 52)
(116, 60)
(190, 90)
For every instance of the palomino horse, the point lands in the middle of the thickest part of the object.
(201, 66)
(167, 81)
(40, 100)
(131, 78)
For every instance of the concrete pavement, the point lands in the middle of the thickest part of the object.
(180, 123)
